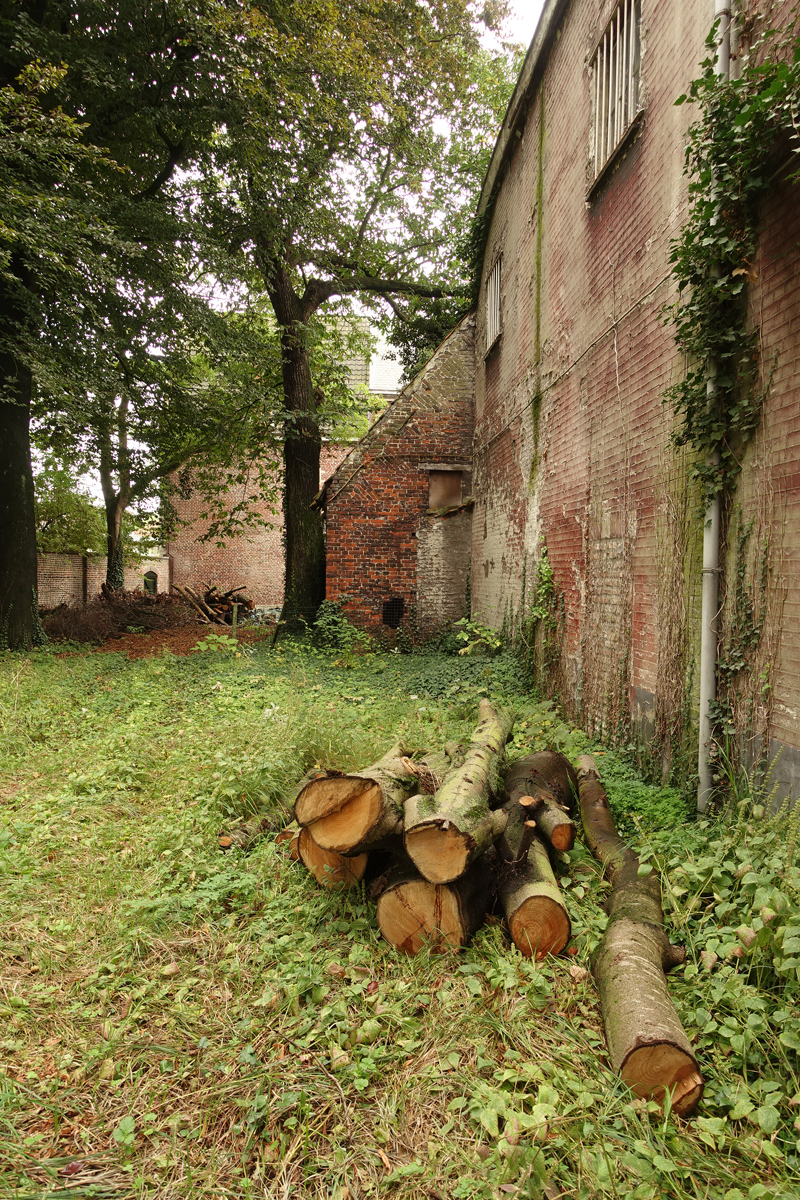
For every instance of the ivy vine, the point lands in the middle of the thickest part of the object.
(730, 158)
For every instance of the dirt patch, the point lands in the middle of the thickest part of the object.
(176, 641)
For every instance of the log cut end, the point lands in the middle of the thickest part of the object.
(419, 913)
(347, 826)
(652, 1070)
(329, 868)
(328, 794)
(540, 926)
(439, 851)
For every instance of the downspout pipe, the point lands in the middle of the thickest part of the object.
(713, 514)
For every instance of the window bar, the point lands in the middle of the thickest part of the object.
(624, 90)
(610, 111)
(618, 76)
(604, 133)
(633, 99)
(596, 112)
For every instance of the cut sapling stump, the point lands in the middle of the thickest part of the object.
(351, 813)
(329, 868)
(546, 784)
(646, 1041)
(445, 833)
(243, 836)
(414, 913)
(537, 917)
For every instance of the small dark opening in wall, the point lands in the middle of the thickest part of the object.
(151, 582)
(393, 610)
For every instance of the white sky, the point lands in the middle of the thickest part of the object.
(524, 18)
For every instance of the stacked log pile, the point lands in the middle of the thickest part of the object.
(214, 607)
(441, 838)
(444, 839)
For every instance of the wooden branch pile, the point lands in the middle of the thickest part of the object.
(442, 839)
(214, 607)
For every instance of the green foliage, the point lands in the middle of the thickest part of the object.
(741, 122)
(476, 638)
(68, 519)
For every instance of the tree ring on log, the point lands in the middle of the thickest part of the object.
(539, 927)
(419, 914)
(329, 868)
(348, 825)
(439, 850)
(327, 795)
(652, 1070)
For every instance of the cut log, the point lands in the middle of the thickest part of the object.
(646, 1041)
(329, 868)
(446, 832)
(243, 836)
(209, 612)
(537, 917)
(414, 914)
(290, 834)
(353, 813)
(185, 596)
(547, 784)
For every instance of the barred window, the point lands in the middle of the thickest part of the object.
(615, 71)
(493, 306)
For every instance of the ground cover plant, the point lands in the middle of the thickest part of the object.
(179, 1022)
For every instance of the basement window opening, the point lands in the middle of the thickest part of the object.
(393, 610)
(615, 82)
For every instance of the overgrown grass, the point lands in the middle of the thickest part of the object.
(181, 1023)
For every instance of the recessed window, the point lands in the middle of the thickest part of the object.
(151, 583)
(444, 488)
(493, 306)
(615, 80)
(393, 610)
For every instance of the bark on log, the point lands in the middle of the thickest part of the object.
(537, 916)
(290, 834)
(646, 1041)
(414, 913)
(547, 784)
(329, 868)
(209, 612)
(245, 835)
(446, 833)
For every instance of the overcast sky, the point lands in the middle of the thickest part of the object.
(524, 19)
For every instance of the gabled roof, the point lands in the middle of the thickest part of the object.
(388, 425)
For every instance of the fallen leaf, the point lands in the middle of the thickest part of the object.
(578, 974)
(107, 1069)
(372, 987)
(72, 1168)
(334, 968)
(709, 959)
(170, 969)
(384, 1159)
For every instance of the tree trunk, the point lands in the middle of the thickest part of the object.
(414, 913)
(537, 916)
(115, 560)
(359, 811)
(19, 615)
(646, 1041)
(445, 833)
(304, 540)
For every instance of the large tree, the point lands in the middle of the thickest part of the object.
(346, 165)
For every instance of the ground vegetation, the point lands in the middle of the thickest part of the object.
(178, 1020)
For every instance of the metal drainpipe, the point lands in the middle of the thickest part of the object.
(711, 529)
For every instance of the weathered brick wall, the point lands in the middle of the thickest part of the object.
(255, 559)
(572, 438)
(61, 577)
(381, 541)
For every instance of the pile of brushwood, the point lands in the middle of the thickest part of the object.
(214, 607)
(446, 838)
(113, 613)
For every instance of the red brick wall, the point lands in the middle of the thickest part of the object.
(377, 501)
(255, 559)
(572, 438)
(60, 577)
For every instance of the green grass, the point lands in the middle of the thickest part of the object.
(175, 1022)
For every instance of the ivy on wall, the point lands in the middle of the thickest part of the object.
(743, 126)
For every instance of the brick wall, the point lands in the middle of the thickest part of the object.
(572, 440)
(255, 558)
(382, 543)
(70, 578)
